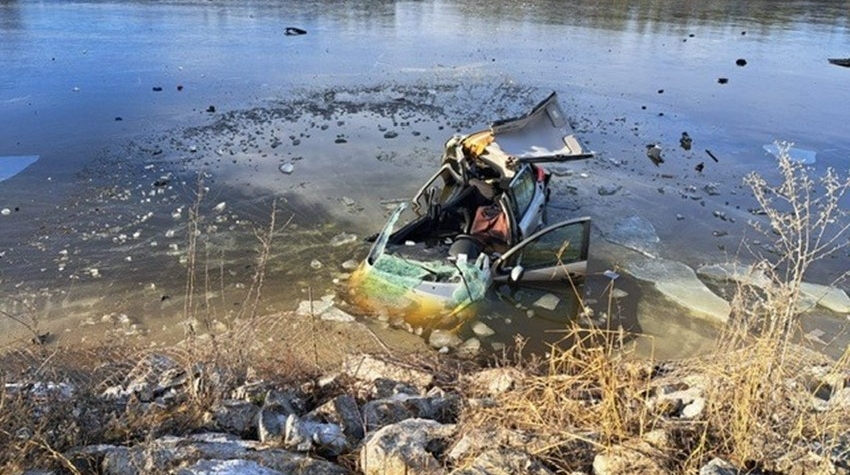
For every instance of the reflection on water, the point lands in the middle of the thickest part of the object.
(656, 15)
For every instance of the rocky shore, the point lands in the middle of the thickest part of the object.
(380, 414)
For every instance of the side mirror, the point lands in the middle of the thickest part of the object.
(516, 273)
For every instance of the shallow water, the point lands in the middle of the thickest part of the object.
(107, 94)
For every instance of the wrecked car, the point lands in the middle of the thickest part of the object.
(481, 218)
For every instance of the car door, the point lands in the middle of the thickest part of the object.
(556, 252)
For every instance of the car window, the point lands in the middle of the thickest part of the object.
(522, 189)
(564, 245)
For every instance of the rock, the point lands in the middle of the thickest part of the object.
(444, 338)
(840, 400)
(435, 405)
(504, 462)
(718, 467)
(235, 416)
(369, 368)
(342, 410)
(407, 447)
(679, 283)
(154, 377)
(469, 348)
(480, 329)
(694, 409)
(271, 419)
(227, 467)
(483, 438)
(653, 151)
(608, 190)
(309, 436)
(160, 455)
(383, 412)
(685, 141)
(635, 458)
(493, 381)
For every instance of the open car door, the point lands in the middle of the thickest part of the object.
(557, 252)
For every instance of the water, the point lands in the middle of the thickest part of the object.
(78, 83)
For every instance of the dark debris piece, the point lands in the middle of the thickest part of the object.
(293, 31)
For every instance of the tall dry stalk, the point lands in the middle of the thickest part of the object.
(192, 229)
(755, 407)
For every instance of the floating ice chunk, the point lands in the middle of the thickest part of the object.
(14, 164)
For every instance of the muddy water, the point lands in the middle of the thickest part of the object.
(139, 112)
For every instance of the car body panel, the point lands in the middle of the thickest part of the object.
(482, 214)
(557, 252)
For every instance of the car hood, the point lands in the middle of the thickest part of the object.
(542, 132)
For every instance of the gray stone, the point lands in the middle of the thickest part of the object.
(504, 462)
(493, 381)
(443, 338)
(227, 467)
(480, 439)
(369, 368)
(407, 447)
(481, 330)
(271, 419)
(623, 459)
(694, 409)
(342, 410)
(718, 467)
(383, 412)
(469, 348)
(235, 416)
(152, 378)
(305, 436)
(159, 455)
(608, 190)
